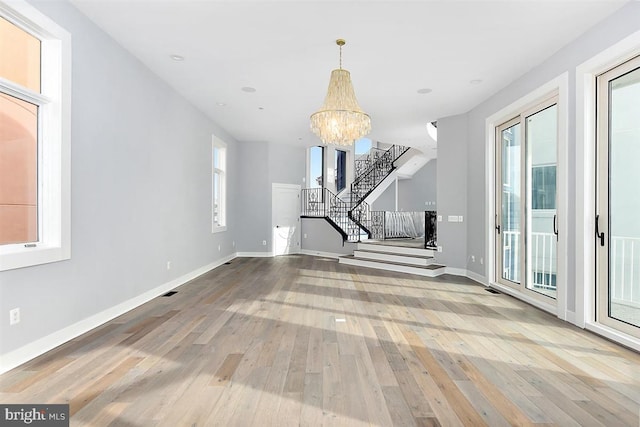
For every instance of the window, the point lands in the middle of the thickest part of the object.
(363, 146)
(543, 187)
(18, 170)
(316, 167)
(219, 185)
(35, 95)
(341, 170)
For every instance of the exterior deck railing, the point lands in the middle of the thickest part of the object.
(624, 269)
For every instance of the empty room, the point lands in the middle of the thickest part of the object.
(319, 213)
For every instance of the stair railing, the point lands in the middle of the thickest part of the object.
(322, 203)
(353, 218)
(369, 179)
(364, 162)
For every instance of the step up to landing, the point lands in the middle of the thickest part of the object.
(394, 249)
(402, 257)
(431, 270)
(419, 260)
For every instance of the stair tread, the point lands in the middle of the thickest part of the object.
(422, 267)
(395, 253)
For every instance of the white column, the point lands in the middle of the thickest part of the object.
(396, 193)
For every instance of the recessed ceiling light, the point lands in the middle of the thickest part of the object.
(424, 90)
(260, 108)
(248, 89)
(177, 58)
(475, 82)
(221, 104)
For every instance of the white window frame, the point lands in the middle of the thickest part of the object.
(221, 171)
(54, 139)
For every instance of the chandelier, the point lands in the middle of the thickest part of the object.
(340, 120)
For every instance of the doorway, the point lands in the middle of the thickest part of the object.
(526, 222)
(285, 218)
(617, 199)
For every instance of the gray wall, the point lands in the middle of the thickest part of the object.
(287, 164)
(259, 165)
(414, 195)
(253, 200)
(452, 190)
(322, 237)
(141, 191)
(619, 25)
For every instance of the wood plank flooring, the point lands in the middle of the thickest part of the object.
(305, 341)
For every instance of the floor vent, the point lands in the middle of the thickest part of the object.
(170, 294)
(227, 263)
(493, 291)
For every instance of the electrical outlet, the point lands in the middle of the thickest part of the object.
(168, 265)
(305, 235)
(264, 243)
(460, 217)
(14, 316)
(439, 248)
(439, 218)
(218, 248)
(452, 218)
(473, 258)
(481, 260)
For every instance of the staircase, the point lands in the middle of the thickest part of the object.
(394, 258)
(352, 218)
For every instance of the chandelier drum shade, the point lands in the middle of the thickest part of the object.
(340, 120)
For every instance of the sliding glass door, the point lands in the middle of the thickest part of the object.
(526, 219)
(618, 199)
(542, 218)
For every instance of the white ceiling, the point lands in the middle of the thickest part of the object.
(286, 51)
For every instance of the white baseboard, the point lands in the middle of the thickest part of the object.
(570, 316)
(254, 254)
(526, 298)
(477, 277)
(614, 335)
(455, 271)
(321, 253)
(29, 351)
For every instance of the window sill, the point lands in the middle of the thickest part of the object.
(16, 256)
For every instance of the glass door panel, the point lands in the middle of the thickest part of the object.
(541, 227)
(623, 293)
(510, 203)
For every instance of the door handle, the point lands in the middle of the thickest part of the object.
(497, 226)
(555, 225)
(598, 234)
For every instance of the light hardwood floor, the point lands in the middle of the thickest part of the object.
(300, 340)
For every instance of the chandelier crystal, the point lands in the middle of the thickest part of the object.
(340, 120)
